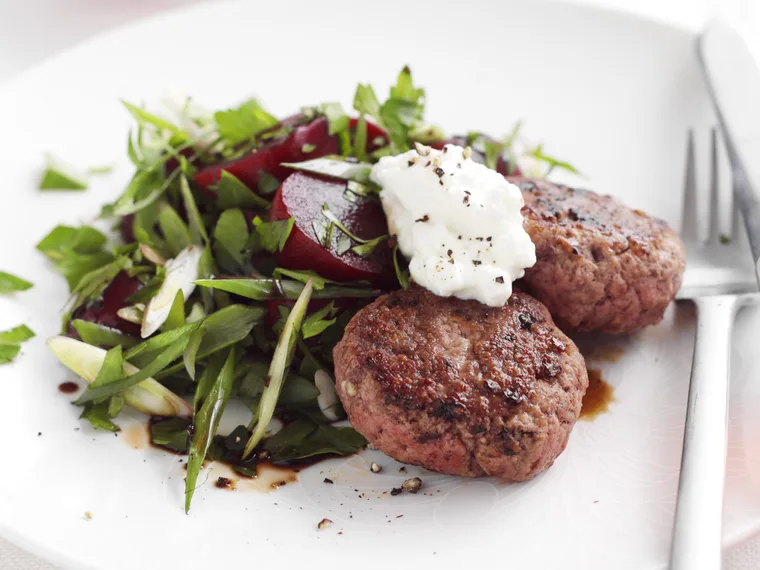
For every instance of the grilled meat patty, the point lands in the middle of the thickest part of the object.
(459, 387)
(601, 266)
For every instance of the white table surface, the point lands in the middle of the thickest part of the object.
(32, 30)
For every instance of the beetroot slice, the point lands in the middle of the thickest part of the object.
(103, 311)
(502, 166)
(270, 154)
(301, 197)
(291, 148)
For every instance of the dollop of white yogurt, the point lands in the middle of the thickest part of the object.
(457, 221)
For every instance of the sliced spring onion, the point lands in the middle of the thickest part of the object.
(267, 289)
(328, 397)
(336, 166)
(281, 359)
(206, 422)
(152, 255)
(181, 272)
(148, 396)
(133, 314)
(100, 335)
(161, 361)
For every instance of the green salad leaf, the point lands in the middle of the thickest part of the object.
(198, 233)
(317, 281)
(552, 163)
(59, 176)
(100, 413)
(16, 335)
(9, 352)
(268, 289)
(243, 123)
(302, 439)
(231, 235)
(316, 323)
(273, 235)
(281, 359)
(148, 120)
(10, 283)
(171, 433)
(100, 335)
(75, 251)
(232, 193)
(205, 423)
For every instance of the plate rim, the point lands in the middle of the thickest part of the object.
(60, 559)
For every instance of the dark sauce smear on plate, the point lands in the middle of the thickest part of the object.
(68, 387)
(173, 435)
(598, 396)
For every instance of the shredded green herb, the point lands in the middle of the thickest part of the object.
(213, 271)
(11, 283)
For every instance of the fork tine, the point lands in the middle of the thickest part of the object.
(714, 211)
(689, 222)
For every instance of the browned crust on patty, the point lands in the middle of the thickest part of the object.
(601, 266)
(460, 387)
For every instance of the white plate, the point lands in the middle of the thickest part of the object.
(611, 93)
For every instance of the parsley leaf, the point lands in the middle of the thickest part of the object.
(171, 433)
(268, 184)
(371, 243)
(75, 251)
(273, 235)
(539, 154)
(100, 414)
(360, 139)
(147, 186)
(100, 335)
(244, 122)
(402, 273)
(232, 193)
(146, 119)
(231, 234)
(10, 283)
(8, 352)
(176, 318)
(10, 342)
(58, 176)
(337, 120)
(365, 101)
(366, 249)
(399, 115)
(302, 439)
(493, 151)
(317, 322)
(174, 228)
(303, 276)
(16, 335)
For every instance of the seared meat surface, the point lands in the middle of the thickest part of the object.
(459, 387)
(601, 266)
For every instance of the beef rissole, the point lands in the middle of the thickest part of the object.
(601, 266)
(459, 387)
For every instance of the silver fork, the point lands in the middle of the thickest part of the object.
(717, 277)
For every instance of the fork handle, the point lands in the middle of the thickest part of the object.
(697, 530)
